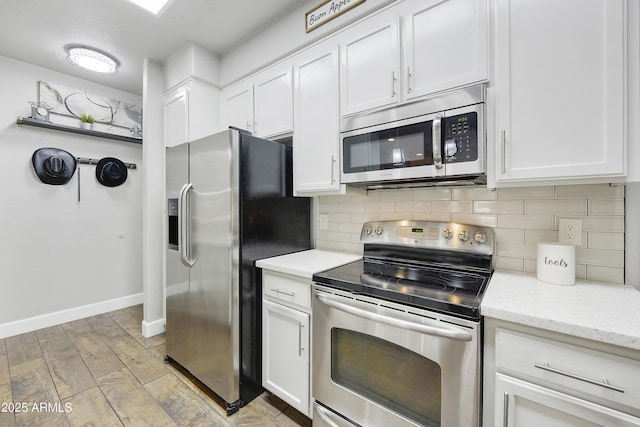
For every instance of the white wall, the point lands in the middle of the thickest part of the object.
(191, 61)
(153, 200)
(61, 258)
(632, 235)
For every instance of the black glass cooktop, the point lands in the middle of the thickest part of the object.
(457, 291)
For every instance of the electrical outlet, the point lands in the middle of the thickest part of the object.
(570, 231)
(324, 221)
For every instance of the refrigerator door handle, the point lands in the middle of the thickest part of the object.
(184, 231)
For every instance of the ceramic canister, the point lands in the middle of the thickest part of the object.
(556, 263)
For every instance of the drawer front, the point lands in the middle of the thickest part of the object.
(288, 291)
(590, 373)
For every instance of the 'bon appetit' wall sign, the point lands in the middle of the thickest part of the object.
(328, 10)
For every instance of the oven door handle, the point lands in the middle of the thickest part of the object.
(440, 331)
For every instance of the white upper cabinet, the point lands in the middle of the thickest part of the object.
(261, 104)
(237, 106)
(560, 105)
(445, 45)
(316, 143)
(370, 64)
(176, 118)
(273, 102)
(191, 112)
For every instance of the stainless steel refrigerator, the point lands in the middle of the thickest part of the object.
(229, 204)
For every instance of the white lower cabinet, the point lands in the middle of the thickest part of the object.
(286, 339)
(523, 404)
(534, 378)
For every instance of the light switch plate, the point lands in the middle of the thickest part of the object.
(570, 231)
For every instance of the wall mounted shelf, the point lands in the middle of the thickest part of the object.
(49, 125)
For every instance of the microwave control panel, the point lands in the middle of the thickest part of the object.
(461, 138)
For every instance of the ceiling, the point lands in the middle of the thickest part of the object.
(36, 31)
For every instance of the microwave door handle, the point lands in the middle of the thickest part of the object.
(439, 331)
(436, 142)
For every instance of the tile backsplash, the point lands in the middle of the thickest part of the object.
(521, 217)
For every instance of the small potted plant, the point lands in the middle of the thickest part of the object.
(86, 121)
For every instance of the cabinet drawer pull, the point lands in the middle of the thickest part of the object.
(409, 75)
(604, 383)
(291, 294)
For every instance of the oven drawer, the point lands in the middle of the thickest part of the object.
(588, 373)
(286, 290)
(323, 417)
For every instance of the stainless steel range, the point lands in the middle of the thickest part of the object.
(397, 335)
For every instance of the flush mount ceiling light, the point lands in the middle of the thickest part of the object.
(92, 59)
(153, 6)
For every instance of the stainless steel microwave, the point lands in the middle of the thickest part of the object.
(435, 141)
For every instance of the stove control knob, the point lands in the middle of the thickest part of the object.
(367, 230)
(448, 234)
(480, 237)
(379, 230)
(463, 236)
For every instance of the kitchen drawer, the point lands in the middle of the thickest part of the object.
(287, 290)
(588, 373)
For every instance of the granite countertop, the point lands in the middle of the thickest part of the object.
(307, 263)
(600, 312)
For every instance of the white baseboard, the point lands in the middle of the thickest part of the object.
(51, 319)
(150, 329)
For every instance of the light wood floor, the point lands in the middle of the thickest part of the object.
(100, 371)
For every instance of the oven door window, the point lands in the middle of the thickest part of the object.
(392, 376)
(404, 146)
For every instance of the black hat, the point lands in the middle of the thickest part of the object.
(53, 165)
(111, 172)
